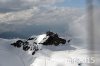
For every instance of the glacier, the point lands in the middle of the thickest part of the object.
(48, 56)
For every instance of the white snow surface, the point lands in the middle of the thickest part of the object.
(41, 38)
(48, 56)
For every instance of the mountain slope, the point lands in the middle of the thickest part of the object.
(48, 56)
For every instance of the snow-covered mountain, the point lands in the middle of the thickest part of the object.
(48, 56)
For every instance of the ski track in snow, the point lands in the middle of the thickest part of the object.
(49, 56)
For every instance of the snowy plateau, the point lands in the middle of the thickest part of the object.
(62, 55)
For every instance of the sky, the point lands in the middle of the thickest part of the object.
(65, 17)
(16, 5)
(33, 17)
(73, 3)
(38, 12)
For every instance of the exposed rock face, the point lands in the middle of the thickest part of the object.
(33, 44)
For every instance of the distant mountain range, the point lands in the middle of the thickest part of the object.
(11, 35)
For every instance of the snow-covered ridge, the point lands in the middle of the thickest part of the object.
(48, 56)
(34, 44)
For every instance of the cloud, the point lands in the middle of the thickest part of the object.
(29, 13)
(14, 5)
(63, 19)
(27, 16)
(46, 16)
(38, 15)
(17, 5)
(20, 15)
